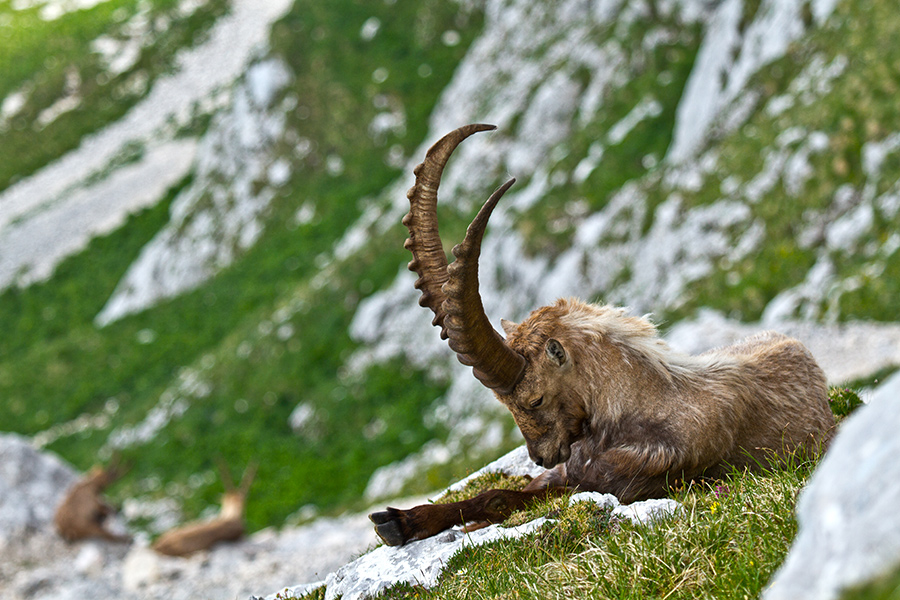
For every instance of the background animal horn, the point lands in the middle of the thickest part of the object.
(429, 260)
(472, 337)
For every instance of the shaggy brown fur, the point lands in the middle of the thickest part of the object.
(83, 512)
(607, 406)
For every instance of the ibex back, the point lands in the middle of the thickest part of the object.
(228, 526)
(602, 402)
(83, 513)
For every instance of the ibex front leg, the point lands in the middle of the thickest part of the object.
(396, 527)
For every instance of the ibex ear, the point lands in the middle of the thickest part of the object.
(556, 352)
(508, 326)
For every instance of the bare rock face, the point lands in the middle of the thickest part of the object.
(849, 525)
(32, 483)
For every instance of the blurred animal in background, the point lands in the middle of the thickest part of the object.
(84, 512)
(228, 526)
(602, 402)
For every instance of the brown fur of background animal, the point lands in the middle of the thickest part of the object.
(83, 512)
(228, 526)
(600, 399)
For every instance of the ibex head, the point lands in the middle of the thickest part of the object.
(531, 370)
(235, 497)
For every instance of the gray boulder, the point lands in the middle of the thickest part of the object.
(849, 513)
(32, 483)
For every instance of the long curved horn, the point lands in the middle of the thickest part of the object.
(472, 337)
(452, 292)
(429, 260)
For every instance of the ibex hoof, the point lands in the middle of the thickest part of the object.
(388, 527)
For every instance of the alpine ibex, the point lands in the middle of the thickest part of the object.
(202, 535)
(602, 402)
(83, 512)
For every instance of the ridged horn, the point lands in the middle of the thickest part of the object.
(472, 337)
(429, 260)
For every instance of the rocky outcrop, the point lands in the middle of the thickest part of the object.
(32, 483)
(220, 214)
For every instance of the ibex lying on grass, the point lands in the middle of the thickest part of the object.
(601, 400)
(83, 512)
(202, 535)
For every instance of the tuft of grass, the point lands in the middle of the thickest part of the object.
(316, 594)
(843, 401)
(482, 483)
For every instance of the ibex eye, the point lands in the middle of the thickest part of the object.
(538, 402)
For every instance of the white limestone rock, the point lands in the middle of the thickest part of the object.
(31, 486)
(639, 513)
(849, 525)
(418, 563)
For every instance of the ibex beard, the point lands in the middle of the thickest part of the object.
(602, 402)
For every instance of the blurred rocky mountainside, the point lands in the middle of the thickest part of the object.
(200, 203)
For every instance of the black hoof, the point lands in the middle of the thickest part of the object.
(390, 533)
(387, 526)
(381, 517)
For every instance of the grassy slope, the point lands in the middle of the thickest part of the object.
(36, 55)
(727, 542)
(54, 352)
